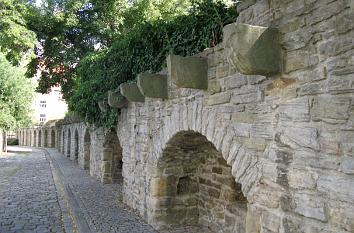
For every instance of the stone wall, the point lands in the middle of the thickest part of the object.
(258, 138)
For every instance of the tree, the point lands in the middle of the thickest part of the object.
(17, 42)
(16, 95)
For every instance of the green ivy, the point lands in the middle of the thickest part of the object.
(145, 48)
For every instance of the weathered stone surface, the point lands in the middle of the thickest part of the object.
(247, 98)
(188, 72)
(242, 129)
(337, 186)
(288, 138)
(331, 109)
(234, 82)
(153, 85)
(310, 206)
(214, 87)
(312, 88)
(252, 49)
(103, 105)
(302, 179)
(296, 110)
(300, 137)
(131, 92)
(347, 165)
(116, 99)
(265, 131)
(221, 98)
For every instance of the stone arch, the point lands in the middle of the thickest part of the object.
(26, 138)
(68, 149)
(62, 141)
(86, 153)
(193, 186)
(35, 138)
(76, 145)
(30, 138)
(45, 141)
(112, 159)
(39, 138)
(52, 138)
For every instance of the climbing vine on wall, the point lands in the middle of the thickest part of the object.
(145, 48)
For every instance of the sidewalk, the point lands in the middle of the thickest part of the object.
(94, 207)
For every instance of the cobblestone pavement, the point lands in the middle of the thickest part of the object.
(47, 192)
(100, 204)
(28, 197)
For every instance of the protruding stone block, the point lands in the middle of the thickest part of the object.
(103, 105)
(131, 92)
(188, 72)
(153, 85)
(116, 99)
(252, 49)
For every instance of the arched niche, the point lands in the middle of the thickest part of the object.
(68, 149)
(86, 153)
(45, 141)
(76, 146)
(193, 186)
(30, 138)
(35, 138)
(39, 138)
(112, 160)
(52, 138)
(63, 141)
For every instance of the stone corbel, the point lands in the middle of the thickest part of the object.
(116, 99)
(253, 50)
(188, 72)
(103, 105)
(131, 92)
(153, 85)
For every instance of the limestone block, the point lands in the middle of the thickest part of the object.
(188, 72)
(103, 105)
(116, 99)
(300, 136)
(220, 98)
(106, 166)
(153, 85)
(340, 187)
(295, 110)
(331, 109)
(310, 206)
(131, 92)
(301, 179)
(252, 49)
(347, 165)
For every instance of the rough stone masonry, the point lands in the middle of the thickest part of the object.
(253, 135)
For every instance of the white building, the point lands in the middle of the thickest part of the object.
(49, 106)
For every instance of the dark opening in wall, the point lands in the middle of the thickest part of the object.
(196, 187)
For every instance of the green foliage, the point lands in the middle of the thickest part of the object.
(12, 142)
(69, 30)
(145, 48)
(17, 42)
(16, 94)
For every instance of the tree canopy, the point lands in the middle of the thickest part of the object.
(17, 41)
(91, 46)
(16, 94)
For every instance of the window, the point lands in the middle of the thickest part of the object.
(42, 117)
(43, 104)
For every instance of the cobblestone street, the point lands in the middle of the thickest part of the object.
(46, 192)
(29, 201)
(28, 197)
